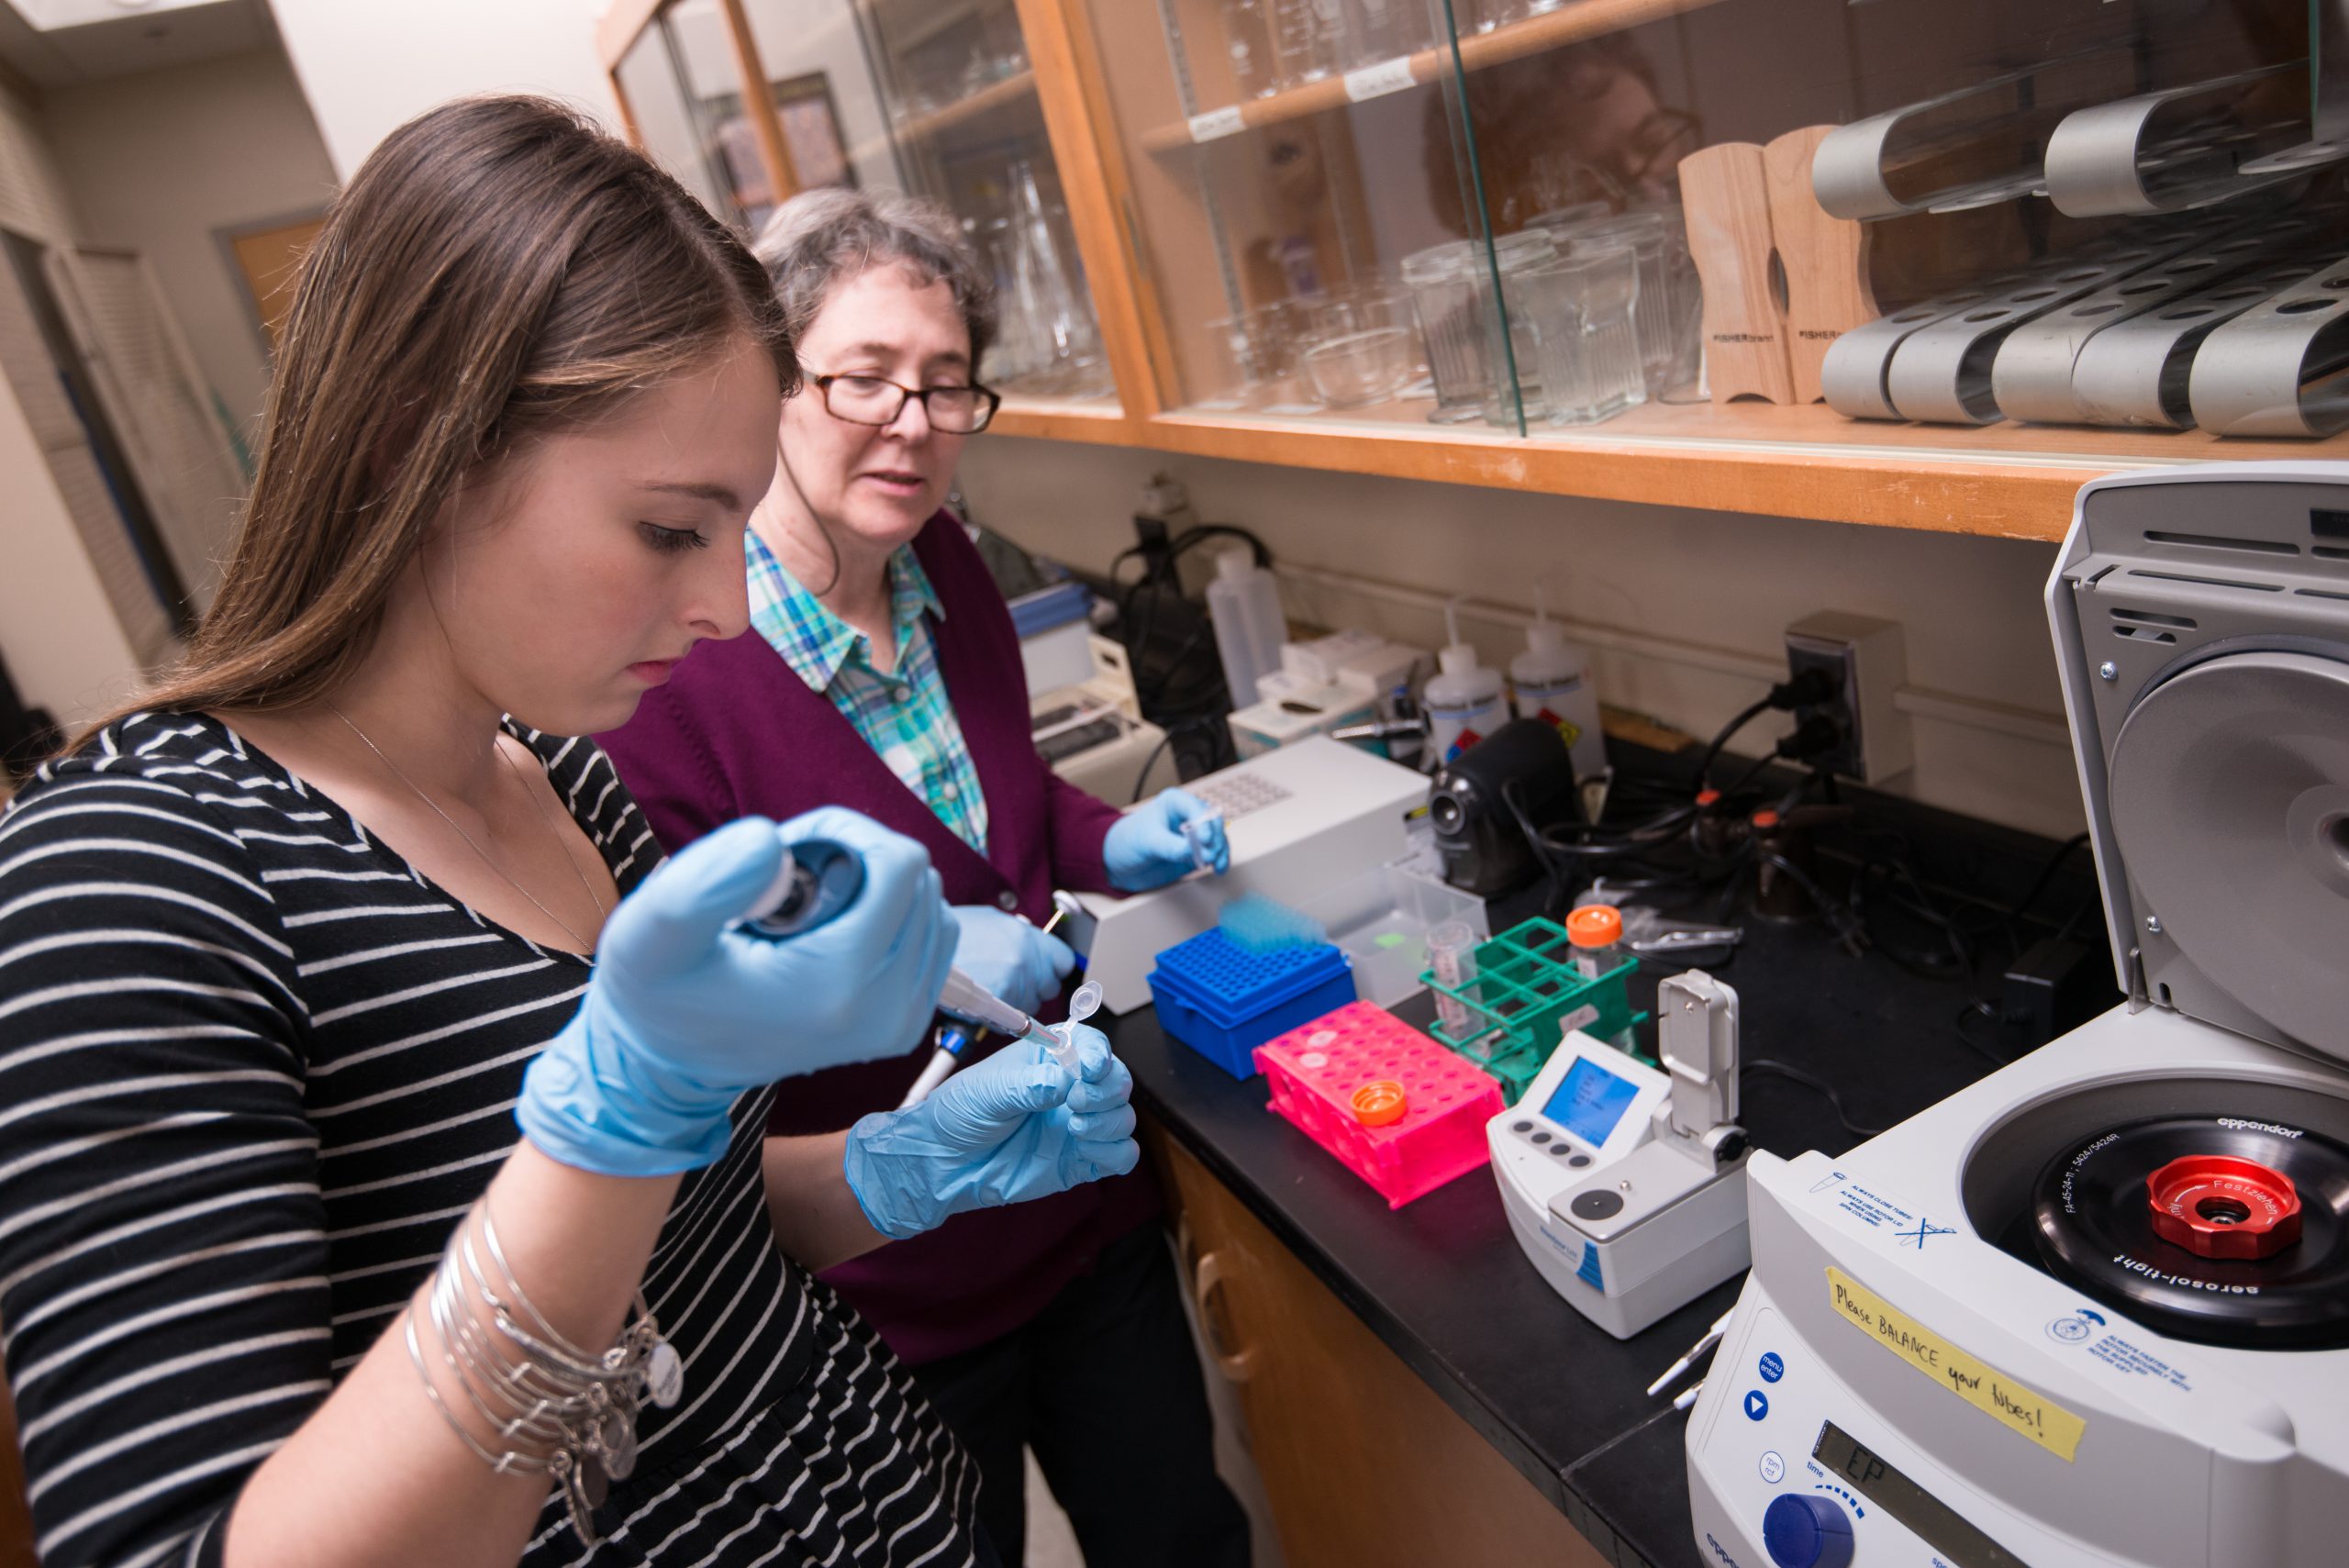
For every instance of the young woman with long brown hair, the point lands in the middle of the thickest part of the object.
(288, 953)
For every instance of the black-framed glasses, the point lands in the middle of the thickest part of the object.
(869, 400)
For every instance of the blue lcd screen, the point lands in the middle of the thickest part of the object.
(1590, 1102)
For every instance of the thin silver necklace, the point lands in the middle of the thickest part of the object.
(582, 944)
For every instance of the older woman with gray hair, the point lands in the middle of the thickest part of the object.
(884, 673)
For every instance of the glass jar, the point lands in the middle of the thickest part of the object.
(1581, 307)
(1515, 257)
(1445, 300)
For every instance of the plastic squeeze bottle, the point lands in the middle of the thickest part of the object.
(1551, 680)
(1244, 602)
(1464, 698)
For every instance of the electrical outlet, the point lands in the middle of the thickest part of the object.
(1869, 664)
(1150, 534)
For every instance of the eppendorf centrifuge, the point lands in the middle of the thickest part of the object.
(2095, 1309)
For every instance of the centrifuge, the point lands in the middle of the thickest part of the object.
(2095, 1309)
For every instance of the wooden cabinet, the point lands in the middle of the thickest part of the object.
(1362, 1463)
(1294, 232)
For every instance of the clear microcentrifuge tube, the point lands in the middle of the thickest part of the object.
(1199, 833)
(1452, 958)
(1060, 1039)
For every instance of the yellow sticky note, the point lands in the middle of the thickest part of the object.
(2012, 1404)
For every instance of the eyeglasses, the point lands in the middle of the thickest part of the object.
(869, 400)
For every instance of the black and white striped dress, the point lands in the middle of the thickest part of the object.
(253, 1067)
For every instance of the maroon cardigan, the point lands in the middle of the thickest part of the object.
(735, 733)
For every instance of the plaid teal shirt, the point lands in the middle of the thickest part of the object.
(906, 715)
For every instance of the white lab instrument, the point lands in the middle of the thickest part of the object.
(1300, 821)
(1622, 1182)
(2095, 1309)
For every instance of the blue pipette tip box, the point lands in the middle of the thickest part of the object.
(1223, 1001)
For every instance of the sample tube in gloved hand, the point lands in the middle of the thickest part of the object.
(1062, 1046)
(1199, 833)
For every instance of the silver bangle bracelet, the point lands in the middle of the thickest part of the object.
(562, 1412)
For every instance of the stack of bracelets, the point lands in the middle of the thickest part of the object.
(573, 1413)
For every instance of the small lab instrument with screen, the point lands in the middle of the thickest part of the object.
(1622, 1182)
(2094, 1309)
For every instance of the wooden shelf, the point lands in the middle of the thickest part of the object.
(1480, 51)
(2009, 481)
(995, 95)
(1098, 421)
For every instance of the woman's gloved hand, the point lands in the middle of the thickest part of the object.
(1146, 849)
(1011, 958)
(682, 1013)
(1011, 1128)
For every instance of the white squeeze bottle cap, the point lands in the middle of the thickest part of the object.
(1542, 637)
(1458, 657)
(1235, 562)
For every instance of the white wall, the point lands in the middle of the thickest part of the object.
(369, 65)
(65, 648)
(159, 162)
(1704, 594)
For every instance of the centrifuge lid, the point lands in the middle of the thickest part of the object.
(2203, 636)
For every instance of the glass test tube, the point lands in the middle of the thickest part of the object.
(1452, 958)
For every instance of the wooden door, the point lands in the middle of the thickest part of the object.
(15, 1518)
(269, 259)
(1365, 1466)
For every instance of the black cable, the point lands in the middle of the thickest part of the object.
(1769, 1068)
(1746, 715)
(1850, 935)
(1179, 726)
(1199, 531)
(1534, 842)
(2047, 875)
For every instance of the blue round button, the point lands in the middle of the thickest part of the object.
(1802, 1530)
(1772, 1368)
(1757, 1405)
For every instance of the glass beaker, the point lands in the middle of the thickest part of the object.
(1255, 68)
(1443, 298)
(1648, 236)
(1515, 256)
(1583, 307)
(1310, 39)
(1385, 29)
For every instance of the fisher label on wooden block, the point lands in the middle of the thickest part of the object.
(1823, 260)
(1725, 190)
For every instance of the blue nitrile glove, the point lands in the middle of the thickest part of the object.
(1011, 958)
(1011, 1128)
(684, 1014)
(1146, 849)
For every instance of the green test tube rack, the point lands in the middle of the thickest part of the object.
(1527, 993)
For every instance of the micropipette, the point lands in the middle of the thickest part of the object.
(952, 1040)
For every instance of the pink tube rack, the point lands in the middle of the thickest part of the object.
(1316, 1069)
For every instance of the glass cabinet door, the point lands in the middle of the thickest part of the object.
(683, 91)
(1898, 221)
(825, 94)
(936, 97)
(2111, 229)
(1310, 236)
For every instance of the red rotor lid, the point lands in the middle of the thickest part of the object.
(2217, 1206)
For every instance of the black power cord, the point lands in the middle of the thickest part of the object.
(1769, 1067)
(1804, 690)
